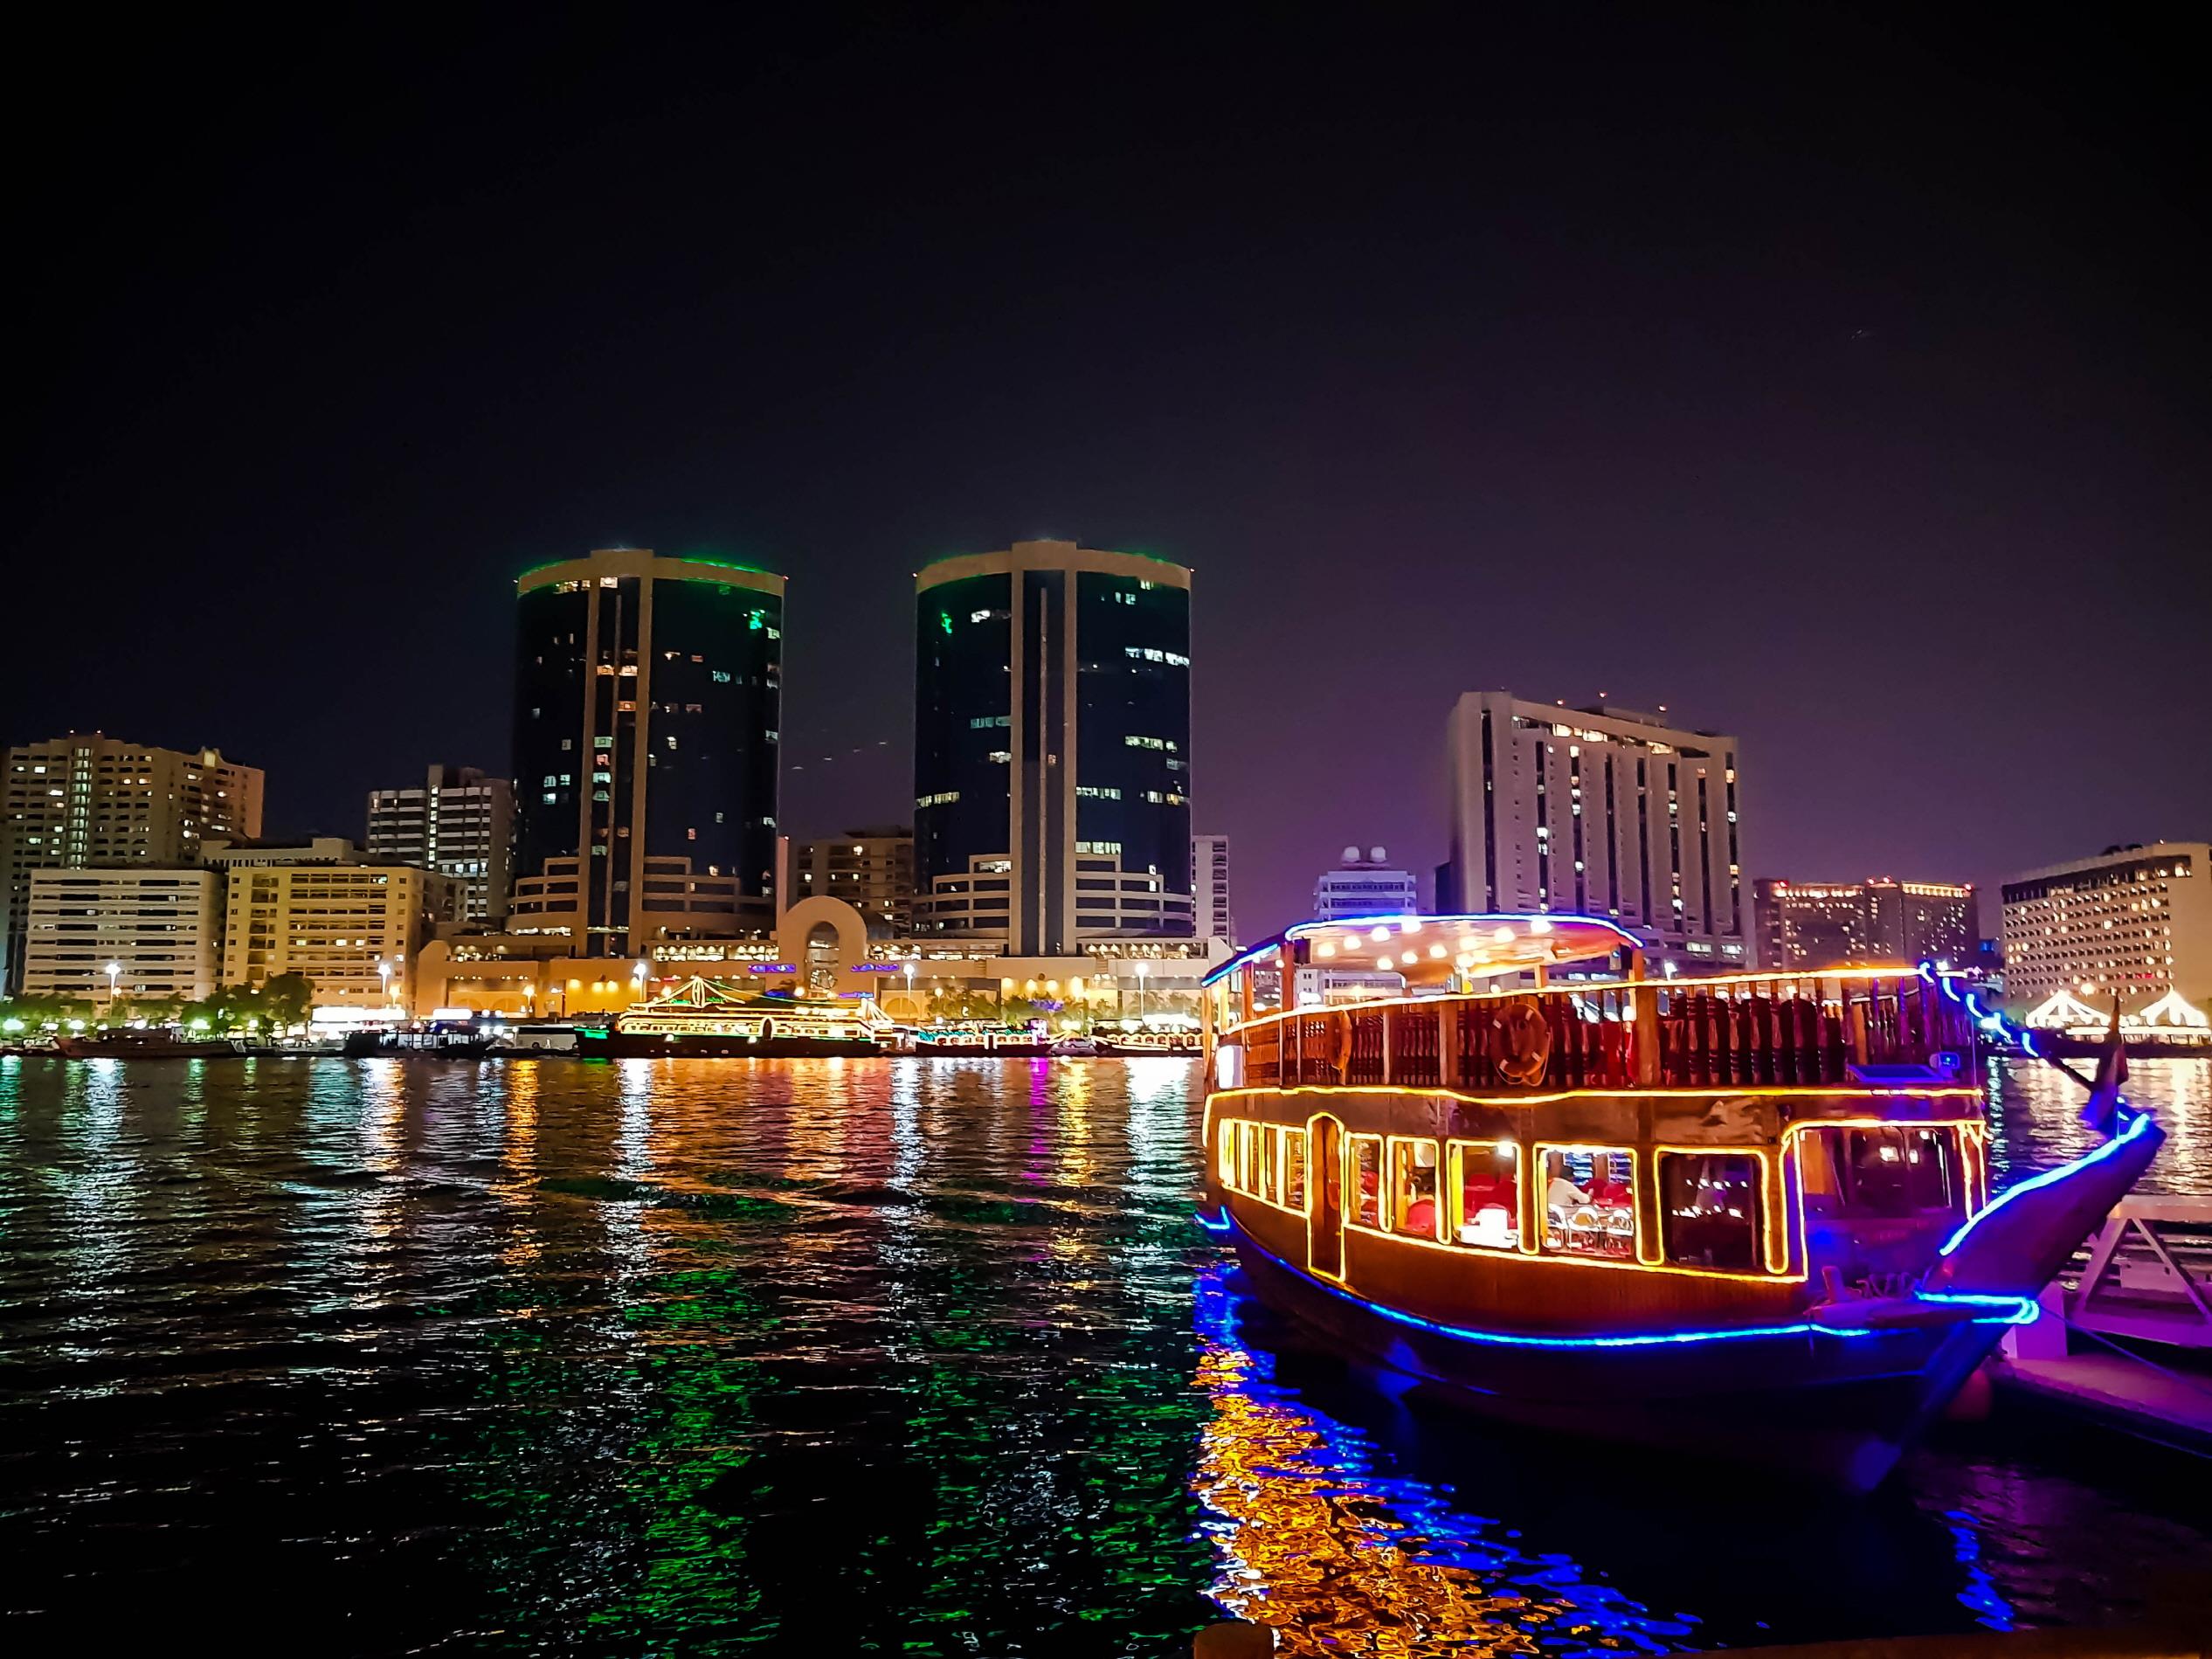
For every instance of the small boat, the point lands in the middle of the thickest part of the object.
(1746, 1216)
(981, 1042)
(1135, 1041)
(149, 1042)
(701, 1019)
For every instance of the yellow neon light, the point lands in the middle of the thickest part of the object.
(1468, 1252)
(1774, 1222)
(1389, 1173)
(1635, 1205)
(1454, 1156)
(1314, 1176)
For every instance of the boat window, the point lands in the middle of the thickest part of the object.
(1710, 1207)
(1590, 1201)
(1892, 1171)
(1247, 1156)
(1294, 1168)
(1484, 1181)
(1224, 1155)
(1367, 1170)
(1270, 1160)
(1412, 1188)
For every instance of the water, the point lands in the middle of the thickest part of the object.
(826, 1358)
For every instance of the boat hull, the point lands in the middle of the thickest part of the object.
(622, 1045)
(1839, 1407)
(79, 1048)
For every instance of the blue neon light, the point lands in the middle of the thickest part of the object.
(2137, 1126)
(2015, 1306)
(1212, 1225)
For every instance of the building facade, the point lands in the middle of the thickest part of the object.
(87, 799)
(646, 726)
(1601, 811)
(353, 927)
(457, 821)
(1052, 748)
(871, 869)
(2133, 921)
(1366, 887)
(1210, 889)
(1826, 924)
(159, 928)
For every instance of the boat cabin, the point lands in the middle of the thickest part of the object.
(1514, 1089)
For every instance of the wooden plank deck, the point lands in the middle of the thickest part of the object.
(2122, 1392)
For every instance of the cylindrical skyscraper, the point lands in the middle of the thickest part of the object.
(1052, 747)
(646, 715)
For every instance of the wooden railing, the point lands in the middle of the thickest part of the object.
(1801, 1029)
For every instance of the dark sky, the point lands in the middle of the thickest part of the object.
(1836, 383)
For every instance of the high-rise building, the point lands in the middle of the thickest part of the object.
(2135, 921)
(1599, 811)
(1210, 888)
(350, 925)
(158, 927)
(1366, 886)
(1826, 924)
(1053, 748)
(87, 799)
(871, 869)
(457, 822)
(647, 700)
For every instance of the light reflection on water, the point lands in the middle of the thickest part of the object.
(837, 1356)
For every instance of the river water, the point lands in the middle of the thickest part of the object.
(915, 1357)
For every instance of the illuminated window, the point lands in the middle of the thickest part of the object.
(1270, 1160)
(1483, 1183)
(1709, 1209)
(1412, 1188)
(1294, 1169)
(1367, 1171)
(1225, 1156)
(1890, 1173)
(1589, 1201)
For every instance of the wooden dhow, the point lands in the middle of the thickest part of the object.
(1747, 1215)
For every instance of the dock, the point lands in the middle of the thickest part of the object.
(2125, 1333)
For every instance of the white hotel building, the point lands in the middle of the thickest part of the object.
(2133, 920)
(161, 930)
(1599, 811)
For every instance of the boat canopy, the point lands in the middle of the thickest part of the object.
(1433, 950)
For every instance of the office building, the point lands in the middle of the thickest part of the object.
(871, 869)
(1364, 886)
(1826, 924)
(87, 799)
(135, 933)
(1599, 811)
(646, 721)
(1052, 748)
(457, 822)
(2133, 921)
(353, 926)
(1210, 888)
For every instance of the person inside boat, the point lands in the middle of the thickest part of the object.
(1594, 1220)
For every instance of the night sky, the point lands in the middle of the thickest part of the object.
(1834, 383)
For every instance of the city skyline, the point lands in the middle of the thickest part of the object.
(1843, 443)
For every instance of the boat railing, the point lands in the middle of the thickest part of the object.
(1743, 1029)
(2147, 1274)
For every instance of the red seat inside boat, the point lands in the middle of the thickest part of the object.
(1420, 1217)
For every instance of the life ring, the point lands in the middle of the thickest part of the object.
(1524, 1041)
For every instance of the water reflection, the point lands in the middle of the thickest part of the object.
(685, 1357)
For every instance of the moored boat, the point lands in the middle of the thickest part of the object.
(699, 1019)
(134, 1042)
(1746, 1215)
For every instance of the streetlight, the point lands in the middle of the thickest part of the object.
(384, 973)
(114, 974)
(1141, 966)
(638, 978)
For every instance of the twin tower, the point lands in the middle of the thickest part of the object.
(1052, 741)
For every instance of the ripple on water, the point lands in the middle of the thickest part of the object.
(841, 1356)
